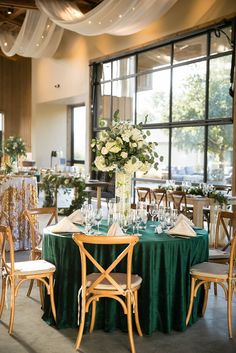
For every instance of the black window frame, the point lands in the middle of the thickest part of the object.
(206, 122)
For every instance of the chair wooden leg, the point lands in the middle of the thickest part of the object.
(206, 291)
(191, 300)
(93, 316)
(30, 287)
(12, 313)
(136, 315)
(41, 293)
(3, 293)
(81, 324)
(229, 310)
(215, 289)
(52, 297)
(129, 323)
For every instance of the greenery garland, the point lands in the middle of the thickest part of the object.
(50, 184)
(218, 196)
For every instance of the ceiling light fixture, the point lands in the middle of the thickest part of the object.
(10, 10)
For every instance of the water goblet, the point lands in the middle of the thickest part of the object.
(98, 217)
(153, 210)
(125, 222)
(138, 220)
(144, 219)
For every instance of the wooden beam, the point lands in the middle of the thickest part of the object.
(23, 4)
(5, 19)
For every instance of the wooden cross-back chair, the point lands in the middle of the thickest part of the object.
(122, 287)
(34, 215)
(160, 196)
(226, 223)
(178, 198)
(206, 273)
(15, 273)
(144, 194)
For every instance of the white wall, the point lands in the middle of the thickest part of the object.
(49, 132)
(70, 68)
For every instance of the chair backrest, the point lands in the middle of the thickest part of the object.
(160, 195)
(232, 259)
(179, 200)
(144, 194)
(6, 238)
(124, 253)
(34, 217)
(227, 221)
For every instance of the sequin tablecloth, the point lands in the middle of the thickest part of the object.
(16, 194)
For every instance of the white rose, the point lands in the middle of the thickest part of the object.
(124, 155)
(100, 164)
(104, 150)
(134, 144)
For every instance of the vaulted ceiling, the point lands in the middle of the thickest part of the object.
(12, 12)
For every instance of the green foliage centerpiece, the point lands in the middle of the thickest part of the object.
(14, 147)
(52, 182)
(124, 148)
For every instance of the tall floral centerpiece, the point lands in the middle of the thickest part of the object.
(124, 148)
(14, 147)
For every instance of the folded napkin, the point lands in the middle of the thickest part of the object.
(182, 217)
(183, 228)
(115, 229)
(63, 226)
(77, 217)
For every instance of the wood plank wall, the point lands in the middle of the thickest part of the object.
(15, 97)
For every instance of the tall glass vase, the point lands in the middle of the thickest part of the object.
(123, 192)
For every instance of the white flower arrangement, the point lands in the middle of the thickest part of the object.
(14, 147)
(124, 146)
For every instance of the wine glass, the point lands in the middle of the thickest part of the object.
(98, 217)
(125, 222)
(89, 218)
(153, 211)
(144, 217)
(138, 219)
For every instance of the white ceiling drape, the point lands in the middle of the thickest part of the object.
(42, 30)
(116, 17)
(38, 37)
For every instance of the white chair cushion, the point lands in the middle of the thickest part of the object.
(218, 254)
(33, 267)
(120, 278)
(210, 269)
(38, 248)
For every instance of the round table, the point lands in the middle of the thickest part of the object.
(162, 262)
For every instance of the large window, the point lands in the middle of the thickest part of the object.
(78, 134)
(183, 89)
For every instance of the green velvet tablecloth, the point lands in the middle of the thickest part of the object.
(161, 261)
